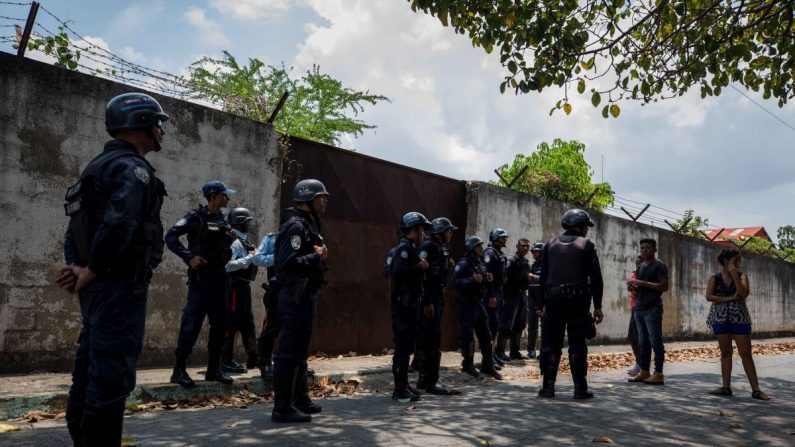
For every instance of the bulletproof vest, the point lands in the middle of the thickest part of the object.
(85, 203)
(211, 239)
(475, 291)
(518, 269)
(566, 261)
(439, 262)
(406, 285)
(310, 238)
(501, 275)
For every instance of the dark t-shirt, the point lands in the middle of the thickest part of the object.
(656, 271)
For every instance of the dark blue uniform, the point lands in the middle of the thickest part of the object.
(495, 262)
(123, 244)
(472, 308)
(406, 291)
(570, 277)
(533, 304)
(300, 274)
(513, 318)
(429, 334)
(207, 284)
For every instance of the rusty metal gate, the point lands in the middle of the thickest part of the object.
(368, 198)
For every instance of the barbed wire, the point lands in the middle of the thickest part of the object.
(16, 3)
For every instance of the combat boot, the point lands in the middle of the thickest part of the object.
(579, 373)
(432, 366)
(550, 371)
(252, 351)
(301, 400)
(215, 374)
(516, 341)
(487, 367)
(421, 359)
(401, 392)
(467, 365)
(180, 375)
(283, 409)
(227, 353)
(266, 370)
(499, 351)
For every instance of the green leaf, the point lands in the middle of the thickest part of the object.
(605, 112)
(615, 110)
(512, 66)
(581, 86)
(596, 98)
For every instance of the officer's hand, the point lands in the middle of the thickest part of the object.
(84, 279)
(321, 251)
(66, 277)
(489, 277)
(493, 302)
(424, 264)
(428, 311)
(478, 278)
(539, 313)
(252, 251)
(197, 261)
(543, 312)
(598, 316)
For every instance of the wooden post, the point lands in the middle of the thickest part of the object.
(278, 108)
(524, 169)
(23, 43)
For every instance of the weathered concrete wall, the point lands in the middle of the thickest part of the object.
(690, 262)
(51, 126)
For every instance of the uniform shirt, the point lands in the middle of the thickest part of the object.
(438, 273)
(518, 268)
(294, 256)
(206, 238)
(495, 263)
(655, 271)
(588, 268)
(241, 258)
(126, 199)
(464, 281)
(406, 274)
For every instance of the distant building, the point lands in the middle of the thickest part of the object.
(729, 236)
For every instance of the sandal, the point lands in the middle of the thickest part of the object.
(723, 391)
(758, 394)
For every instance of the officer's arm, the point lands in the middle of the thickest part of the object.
(461, 279)
(260, 258)
(289, 261)
(156, 255)
(595, 274)
(172, 236)
(241, 259)
(402, 268)
(69, 249)
(121, 217)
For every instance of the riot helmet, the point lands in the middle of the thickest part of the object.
(442, 224)
(575, 217)
(134, 111)
(306, 190)
(472, 242)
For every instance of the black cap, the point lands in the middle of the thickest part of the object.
(216, 186)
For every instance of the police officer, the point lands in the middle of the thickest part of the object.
(570, 276)
(271, 325)
(429, 335)
(242, 270)
(406, 275)
(496, 263)
(471, 279)
(113, 244)
(534, 304)
(513, 317)
(300, 258)
(208, 251)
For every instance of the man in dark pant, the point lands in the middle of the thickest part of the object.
(570, 276)
(513, 319)
(496, 263)
(300, 265)
(534, 303)
(271, 326)
(113, 244)
(208, 251)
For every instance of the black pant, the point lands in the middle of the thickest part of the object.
(565, 314)
(113, 318)
(271, 325)
(297, 315)
(241, 318)
(404, 331)
(472, 318)
(493, 313)
(429, 333)
(207, 296)
(513, 315)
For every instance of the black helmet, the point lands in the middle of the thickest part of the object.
(413, 218)
(472, 242)
(133, 111)
(442, 224)
(306, 190)
(239, 216)
(497, 233)
(537, 246)
(574, 217)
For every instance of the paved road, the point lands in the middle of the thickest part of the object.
(507, 413)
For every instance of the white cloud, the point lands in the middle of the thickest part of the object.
(209, 30)
(251, 9)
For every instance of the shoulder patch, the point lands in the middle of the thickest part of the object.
(457, 268)
(389, 260)
(404, 254)
(142, 175)
(487, 259)
(423, 254)
(181, 222)
(295, 242)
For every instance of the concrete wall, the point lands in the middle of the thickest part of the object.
(51, 126)
(690, 262)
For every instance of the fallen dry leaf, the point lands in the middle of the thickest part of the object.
(129, 442)
(413, 407)
(235, 424)
(132, 407)
(61, 415)
(8, 428)
(603, 440)
(485, 442)
(454, 392)
(735, 426)
(726, 413)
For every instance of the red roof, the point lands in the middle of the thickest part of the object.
(739, 234)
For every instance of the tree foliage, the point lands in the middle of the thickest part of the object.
(786, 237)
(319, 108)
(58, 46)
(691, 224)
(559, 172)
(645, 49)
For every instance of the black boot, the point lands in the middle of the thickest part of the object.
(420, 359)
(301, 400)
(551, 363)
(499, 350)
(468, 364)
(228, 364)
(487, 367)
(214, 373)
(531, 345)
(400, 376)
(180, 375)
(252, 351)
(283, 409)
(104, 427)
(432, 365)
(516, 341)
(579, 371)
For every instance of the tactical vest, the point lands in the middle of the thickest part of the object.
(518, 269)
(566, 261)
(476, 291)
(247, 274)
(501, 276)
(411, 286)
(211, 240)
(439, 267)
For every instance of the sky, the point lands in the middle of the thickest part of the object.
(724, 157)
